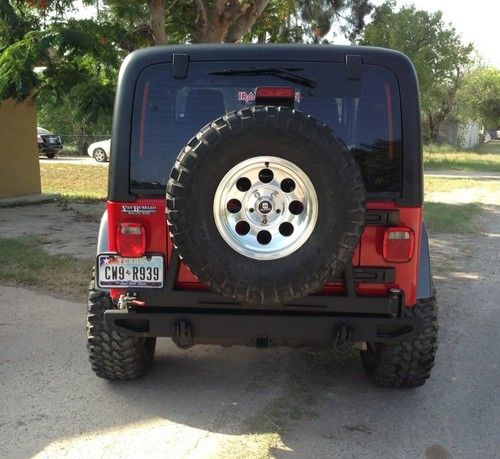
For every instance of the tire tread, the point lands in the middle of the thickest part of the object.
(408, 363)
(114, 355)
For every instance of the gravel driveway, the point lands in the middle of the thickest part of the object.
(215, 402)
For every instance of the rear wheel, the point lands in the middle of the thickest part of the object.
(407, 363)
(100, 155)
(112, 354)
(50, 154)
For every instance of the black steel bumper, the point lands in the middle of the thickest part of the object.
(203, 317)
(315, 321)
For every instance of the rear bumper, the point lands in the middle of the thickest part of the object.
(204, 317)
(283, 327)
(55, 147)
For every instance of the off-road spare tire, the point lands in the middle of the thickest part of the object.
(277, 141)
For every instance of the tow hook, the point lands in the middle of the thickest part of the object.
(342, 340)
(129, 299)
(182, 335)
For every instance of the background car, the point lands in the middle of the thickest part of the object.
(48, 143)
(100, 150)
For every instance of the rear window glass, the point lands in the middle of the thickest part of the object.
(168, 112)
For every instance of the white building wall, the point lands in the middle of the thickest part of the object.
(468, 135)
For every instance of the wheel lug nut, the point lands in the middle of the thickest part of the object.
(251, 209)
(274, 194)
(257, 194)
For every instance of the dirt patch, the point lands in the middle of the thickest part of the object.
(65, 229)
(455, 189)
(463, 196)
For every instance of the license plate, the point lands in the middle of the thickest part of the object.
(52, 140)
(119, 272)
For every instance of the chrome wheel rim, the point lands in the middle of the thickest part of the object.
(265, 208)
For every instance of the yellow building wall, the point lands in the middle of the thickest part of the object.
(19, 166)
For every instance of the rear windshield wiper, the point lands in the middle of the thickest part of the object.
(278, 72)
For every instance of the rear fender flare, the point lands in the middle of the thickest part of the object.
(103, 238)
(102, 242)
(424, 282)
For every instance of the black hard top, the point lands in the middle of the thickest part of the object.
(274, 52)
(352, 56)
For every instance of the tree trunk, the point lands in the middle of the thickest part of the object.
(211, 26)
(437, 118)
(433, 131)
(226, 20)
(244, 22)
(157, 17)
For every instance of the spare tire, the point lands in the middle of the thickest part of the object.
(265, 205)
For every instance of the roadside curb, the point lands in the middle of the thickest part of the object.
(29, 199)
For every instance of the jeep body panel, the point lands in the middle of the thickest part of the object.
(366, 256)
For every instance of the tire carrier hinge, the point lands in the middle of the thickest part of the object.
(180, 63)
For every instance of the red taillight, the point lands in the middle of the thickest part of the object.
(399, 244)
(275, 93)
(130, 240)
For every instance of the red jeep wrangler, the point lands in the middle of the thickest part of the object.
(293, 210)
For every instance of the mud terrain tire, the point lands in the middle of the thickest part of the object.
(407, 363)
(295, 138)
(112, 354)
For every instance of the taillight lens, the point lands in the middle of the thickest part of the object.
(399, 244)
(130, 240)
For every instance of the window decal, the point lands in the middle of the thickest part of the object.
(249, 97)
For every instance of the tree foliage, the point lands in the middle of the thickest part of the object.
(231, 21)
(478, 99)
(70, 65)
(435, 48)
(299, 21)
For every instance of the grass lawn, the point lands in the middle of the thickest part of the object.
(23, 261)
(441, 217)
(435, 184)
(457, 218)
(462, 161)
(490, 147)
(75, 182)
(484, 158)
